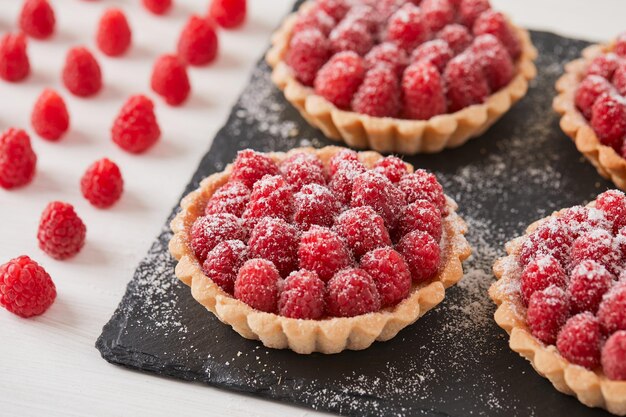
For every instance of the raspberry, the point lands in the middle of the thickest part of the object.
(342, 180)
(596, 245)
(208, 231)
(17, 159)
(14, 63)
(619, 78)
(608, 120)
(387, 53)
(467, 84)
(50, 118)
(469, 10)
(391, 274)
(102, 183)
(169, 79)
(314, 18)
(81, 73)
(228, 14)
(26, 289)
(270, 197)
(352, 292)
(550, 238)
(379, 94)
(340, 77)
(589, 281)
(612, 311)
(496, 62)
(579, 220)
(620, 45)
(37, 19)
(548, 310)
(539, 274)
(303, 168)
(424, 91)
(223, 262)
(198, 43)
(157, 6)
(339, 158)
(114, 35)
(315, 204)
(437, 52)
(231, 197)
(579, 340)
(422, 185)
(456, 36)
(420, 215)
(386, 8)
(257, 285)
(494, 23)
(135, 128)
(613, 204)
(251, 166)
(303, 296)
(277, 241)
(437, 13)
(363, 229)
(351, 36)
(366, 15)
(422, 254)
(604, 66)
(375, 190)
(592, 87)
(322, 251)
(335, 8)
(614, 356)
(308, 52)
(391, 167)
(61, 232)
(407, 27)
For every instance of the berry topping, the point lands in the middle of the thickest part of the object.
(340, 77)
(620, 45)
(208, 231)
(456, 36)
(351, 36)
(407, 27)
(469, 10)
(315, 204)
(352, 292)
(61, 232)
(37, 19)
(375, 190)
(467, 84)
(303, 168)
(303, 296)
(228, 14)
(592, 87)
(339, 159)
(251, 166)
(579, 340)
(257, 285)
(322, 251)
(579, 220)
(135, 128)
(314, 18)
(14, 63)
(379, 94)
(437, 13)
(114, 35)
(604, 65)
(547, 311)
(271, 197)
(494, 23)
(550, 238)
(589, 281)
(614, 355)
(391, 274)
(608, 120)
(366, 15)
(223, 262)
(50, 118)
(157, 6)
(198, 43)
(308, 52)
(613, 204)
(81, 73)
(391, 167)
(26, 289)
(619, 78)
(343, 179)
(437, 52)
(612, 311)
(596, 245)
(422, 254)
(17, 159)
(277, 241)
(231, 198)
(102, 183)
(420, 215)
(423, 91)
(387, 53)
(496, 62)
(363, 229)
(337, 9)
(422, 185)
(169, 79)
(539, 274)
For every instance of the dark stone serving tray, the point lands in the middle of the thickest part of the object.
(455, 361)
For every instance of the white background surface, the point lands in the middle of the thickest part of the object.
(48, 365)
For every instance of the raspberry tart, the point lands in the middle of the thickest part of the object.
(592, 103)
(561, 296)
(401, 76)
(319, 250)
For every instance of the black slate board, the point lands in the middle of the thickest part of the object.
(454, 361)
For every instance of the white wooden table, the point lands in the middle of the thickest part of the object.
(48, 365)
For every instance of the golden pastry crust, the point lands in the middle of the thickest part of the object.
(609, 163)
(386, 134)
(591, 388)
(305, 336)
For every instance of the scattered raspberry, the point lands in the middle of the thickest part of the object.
(135, 128)
(351, 36)
(612, 311)
(548, 310)
(339, 158)
(596, 245)
(456, 36)
(495, 60)
(387, 53)
(579, 340)
(437, 13)
(407, 27)
(277, 241)
(37, 19)
(102, 183)
(467, 84)
(422, 185)
(223, 262)
(303, 296)
(157, 6)
(363, 229)
(198, 43)
(550, 238)
(494, 23)
(315, 204)
(539, 274)
(169, 79)
(437, 52)
(257, 285)
(608, 120)
(613, 204)
(352, 292)
(231, 197)
(314, 18)
(375, 190)
(579, 220)
(604, 65)
(26, 289)
(469, 10)
(379, 94)
(208, 231)
(308, 52)
(322, 251)
(14, 63)
(391, 167)
(589, 281)
(303, 168)
(228, 14)
(114, 35)
(619, 78)
(422, 254)
(17, 159)
(270, 197)
(420, 215)
(61, 232)
(592, 87)
(81, 73)
(614, 356)
(335, 8)
(620, 45)
(50, 118)
(338, 80)
(391, 274)
(423, 91)
(343, 179)
(251, 166)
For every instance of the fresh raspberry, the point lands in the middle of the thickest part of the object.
(387, 53)
(620, 45)
(208, 231)
(495, 60)
(619, 78)
(456, 36)
(340, 77)
(469, 10)
(379, 94)
(550, 238)
(61, 232)
(604, 65)
(422, 185)
(391, 274)
(494, 23)
(303, 296)
(223, 262)
(303, 168)
(169, 79)
(26, 289)
(343, 179)
(579, 340)
(337, 9)
(366, 15)
(14, 63)
(231, 197)
(228, 14)
(81, 74)
(351, 36)
(322, 251)
(251, 166)
(608, 120)
(198, 42)
(257, 285)
(407, 27)
(50, 118)
(612, 311)
(114, 35)
(339, 158)
(548, 310)
(386, 8)
(437, 13)
(314, 18)
(308, 52)
(466, 82)
(596, 245)
(363, 229)
(37, 19)
(315, 204)
(277, 241)
(420, 215)
(375, 190)
(135, 128)
(270, 197)
(17, 159)
(157, 6)
(613, 204)
(423, 91)
(579, 220)
(592, 87)
(102, 183)
(352, 292)
(614, 356)
(422, 254)
(589, 281)
(391, 167)
(539, 274)
(437, 52)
